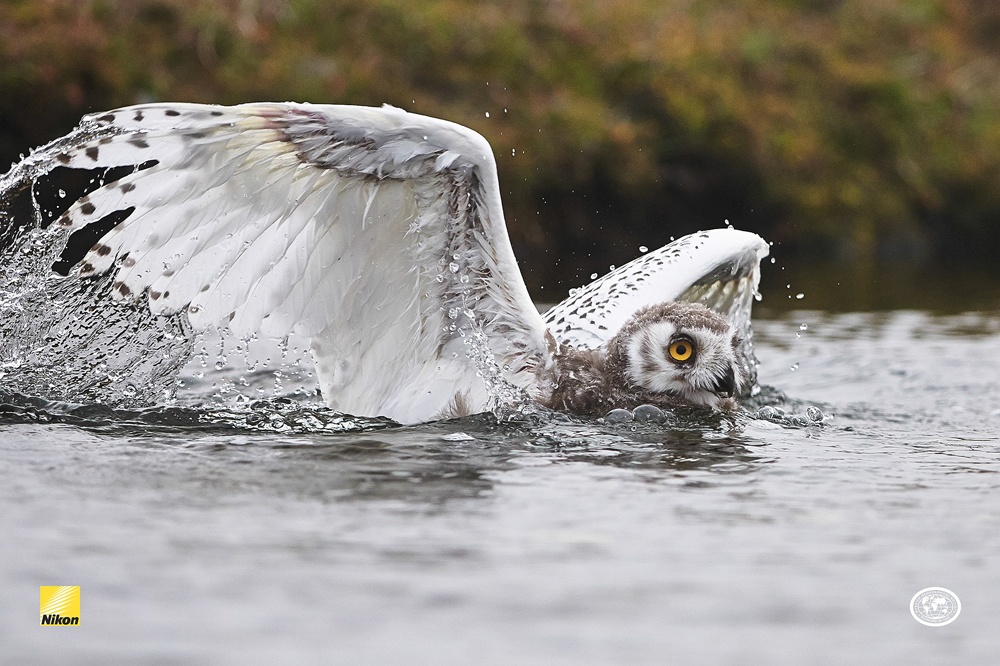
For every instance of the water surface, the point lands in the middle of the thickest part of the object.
(293, 536)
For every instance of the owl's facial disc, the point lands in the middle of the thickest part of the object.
(695, 363)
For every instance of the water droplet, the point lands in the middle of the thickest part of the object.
(643, 248)
(487, 114)
(800, 296)
(593, 276)
(803, 327)
(62, 194)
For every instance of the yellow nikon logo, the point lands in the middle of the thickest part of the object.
(59, 605)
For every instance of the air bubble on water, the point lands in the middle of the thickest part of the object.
(648, 414)
(643, 248)
(612, 267)
(772, 260)
(803, 327)
(439, 278)
(616, 416)
(464, 279)
(794, 366)
(62, 194)
(815, 414)
(593, 276)
(769, 413)
(453, 267)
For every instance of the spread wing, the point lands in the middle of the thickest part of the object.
(376, 233)
(719, 269)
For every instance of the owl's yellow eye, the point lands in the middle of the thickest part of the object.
(681, 350)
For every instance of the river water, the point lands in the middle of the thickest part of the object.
(294, 536)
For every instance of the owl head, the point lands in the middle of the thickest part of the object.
(681, 349)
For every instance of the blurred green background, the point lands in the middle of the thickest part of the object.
(857, 131)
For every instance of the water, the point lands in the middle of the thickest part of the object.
(200, 537)
(239, 520)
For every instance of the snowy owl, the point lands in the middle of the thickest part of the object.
(379, 236)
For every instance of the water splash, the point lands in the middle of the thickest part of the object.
(274, 416)
(64, 338)
(507, 401)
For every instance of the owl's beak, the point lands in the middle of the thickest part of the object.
(725, 386)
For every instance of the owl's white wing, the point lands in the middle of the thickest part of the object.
(372, 232)
(718, 268)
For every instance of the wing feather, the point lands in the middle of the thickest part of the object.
(363, 229)
(719, 268)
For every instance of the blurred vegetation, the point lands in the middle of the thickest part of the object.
(851, 128)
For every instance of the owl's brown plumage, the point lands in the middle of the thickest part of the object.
(636, 367)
